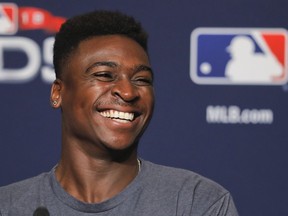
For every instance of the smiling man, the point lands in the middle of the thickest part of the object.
(104, 88)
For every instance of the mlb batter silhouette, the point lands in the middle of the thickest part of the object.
(246, 65)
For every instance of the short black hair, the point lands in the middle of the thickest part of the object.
(96, 23)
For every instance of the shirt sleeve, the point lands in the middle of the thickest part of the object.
(222, 207)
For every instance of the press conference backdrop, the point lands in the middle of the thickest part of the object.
(220, 81)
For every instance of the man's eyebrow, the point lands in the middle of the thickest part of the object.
(111, 64)
(102, 63)
(139, 68)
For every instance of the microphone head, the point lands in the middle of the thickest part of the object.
(41, 211)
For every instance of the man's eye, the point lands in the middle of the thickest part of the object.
(103, 76)
(143, 81)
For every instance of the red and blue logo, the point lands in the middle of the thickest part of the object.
(238, 56)
(8, 18)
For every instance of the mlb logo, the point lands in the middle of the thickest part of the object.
(238, 56)
(8, 18)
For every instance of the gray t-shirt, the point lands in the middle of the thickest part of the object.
(157, 190)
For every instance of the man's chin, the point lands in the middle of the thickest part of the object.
(121, 154)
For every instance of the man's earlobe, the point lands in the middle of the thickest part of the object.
(54, 103)
(55, 96)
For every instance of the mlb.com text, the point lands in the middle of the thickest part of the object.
(235, 115)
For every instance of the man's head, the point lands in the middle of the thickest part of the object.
(97, 23)
(105, 85)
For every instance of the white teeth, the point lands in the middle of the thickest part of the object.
(121, 115)
(118, 115)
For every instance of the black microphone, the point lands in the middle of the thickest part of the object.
(41, 211)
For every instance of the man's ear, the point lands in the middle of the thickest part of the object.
(55, 95)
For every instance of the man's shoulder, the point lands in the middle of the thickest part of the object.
(172, 175)
(194, 191)
(19, 186)
(185, 182)
(13, 192)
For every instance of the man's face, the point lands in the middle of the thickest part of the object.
(106, 92)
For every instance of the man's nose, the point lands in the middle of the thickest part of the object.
(126, 90)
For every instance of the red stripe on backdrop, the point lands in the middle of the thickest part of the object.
(35, 18)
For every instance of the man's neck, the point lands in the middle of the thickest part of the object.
(93, 180)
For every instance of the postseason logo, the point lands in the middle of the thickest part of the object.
(38, 57)
(239, 56)
(14, 18)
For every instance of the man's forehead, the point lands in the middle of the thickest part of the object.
(108, 40)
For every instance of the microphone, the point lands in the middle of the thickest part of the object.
(41, 211)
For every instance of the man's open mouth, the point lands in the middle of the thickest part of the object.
(117, 115)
